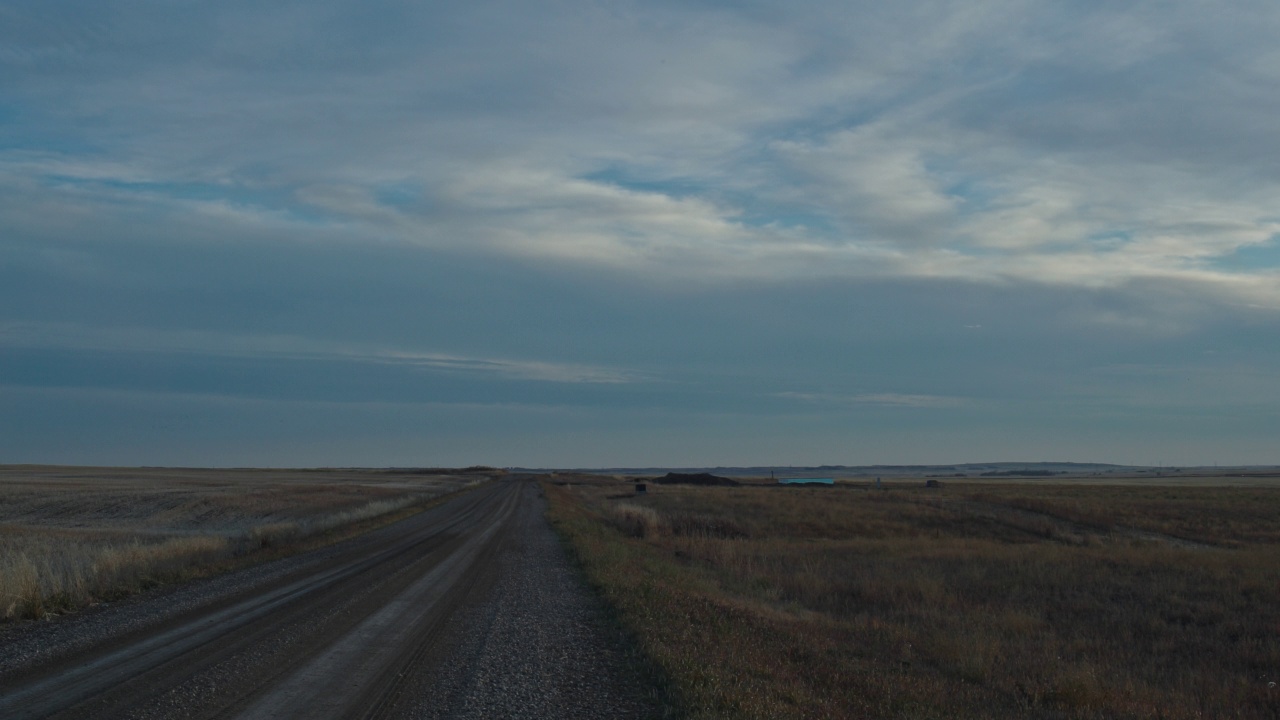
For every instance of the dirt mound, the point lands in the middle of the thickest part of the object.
(693, 479)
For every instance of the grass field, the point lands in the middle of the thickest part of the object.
(71, 536)
(992, 600)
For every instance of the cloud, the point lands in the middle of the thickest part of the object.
(880, 399)
(878, 184)
(286, 347)
(1001, 140)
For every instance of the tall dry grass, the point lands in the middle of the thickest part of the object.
(45, 573)
(70, 537)
(769, 602)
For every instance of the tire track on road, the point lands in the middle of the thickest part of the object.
(118, 680)
(469, 609)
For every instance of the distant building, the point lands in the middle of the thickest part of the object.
(641, 488)
(806, 481)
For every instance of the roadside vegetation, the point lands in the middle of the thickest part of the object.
(70, 537)
(969, 601)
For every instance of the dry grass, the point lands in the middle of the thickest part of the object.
(71, 536)
(970, 602)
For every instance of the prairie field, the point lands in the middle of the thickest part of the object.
(974, 600)
(72, 536)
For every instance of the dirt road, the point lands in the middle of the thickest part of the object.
(466, 610)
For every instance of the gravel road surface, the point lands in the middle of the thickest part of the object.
(467, 610)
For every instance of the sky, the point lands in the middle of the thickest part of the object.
(610, 233)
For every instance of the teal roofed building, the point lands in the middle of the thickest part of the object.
(806, 481)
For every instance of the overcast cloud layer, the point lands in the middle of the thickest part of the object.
(610, 233)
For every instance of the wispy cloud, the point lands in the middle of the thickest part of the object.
(884, 399)
(871, 161)
(147, 340)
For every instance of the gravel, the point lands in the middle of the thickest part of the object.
(33, 642)
(524, 638)
(539, 645)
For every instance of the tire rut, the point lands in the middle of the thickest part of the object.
(469, 609)
(248, 640)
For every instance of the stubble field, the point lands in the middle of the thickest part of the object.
(992, 600)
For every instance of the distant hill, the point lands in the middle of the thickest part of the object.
(673, 478)
(1063, 470)
(964, 469)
